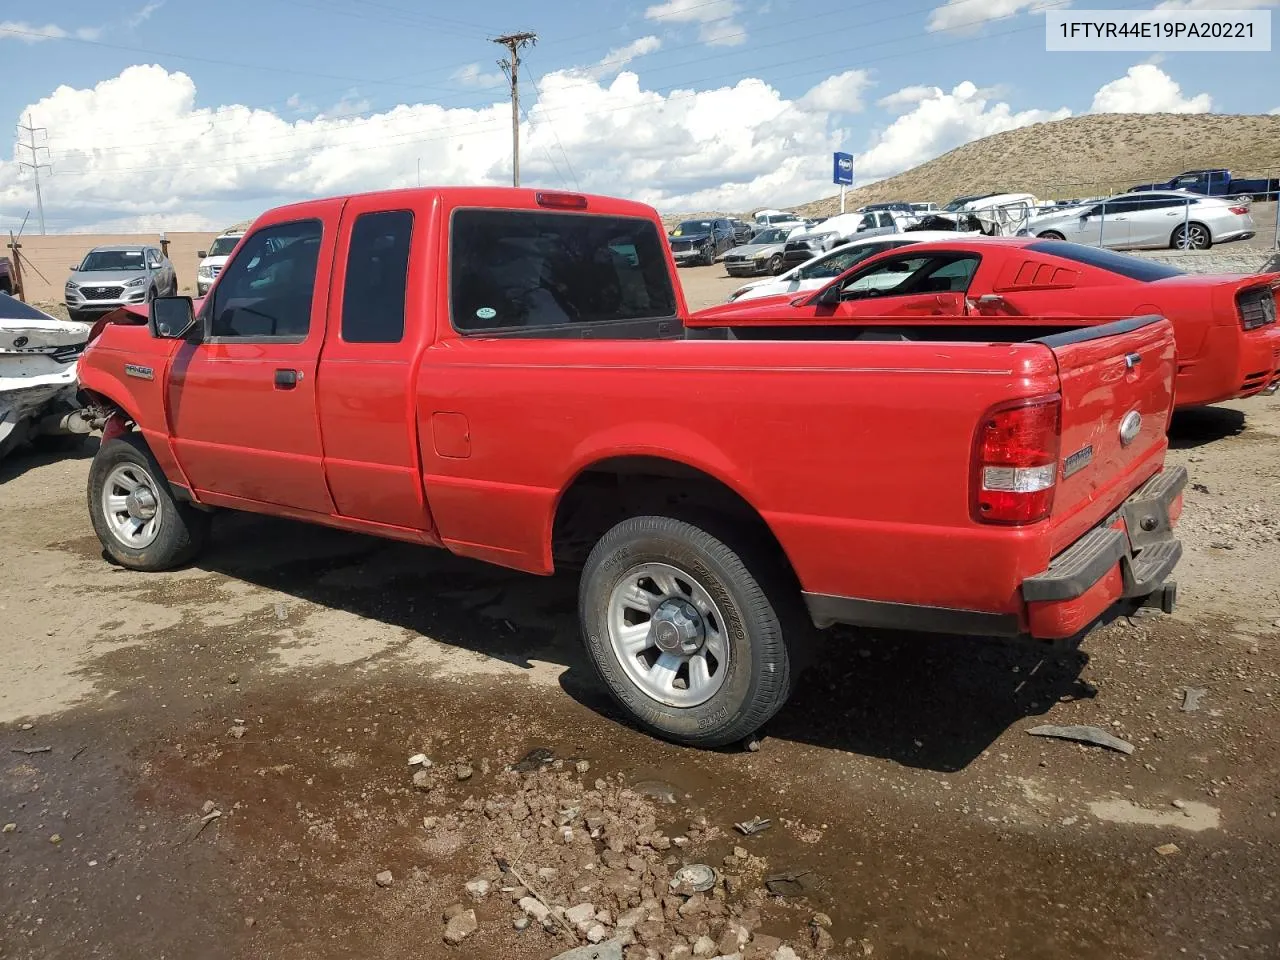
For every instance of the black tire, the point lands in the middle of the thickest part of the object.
(1051, 235)
(183, 530)
(754, 600)
(75, 316)
(1201, 236)
(774, 266)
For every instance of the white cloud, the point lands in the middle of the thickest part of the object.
(473, 76)
(1147, 89)
(1274, 111)
(939, 122)
(908, 96)
(33, 33)
(730, 147)
(839, 94)
(967, 16)
(715, 18)
(143, 13)
(613, 61)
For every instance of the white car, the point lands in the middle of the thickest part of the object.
(816, 272)
(1149, 219)
(212, 260)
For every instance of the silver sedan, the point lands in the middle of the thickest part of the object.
(1149, 219)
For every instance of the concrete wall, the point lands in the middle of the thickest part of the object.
(53, 256)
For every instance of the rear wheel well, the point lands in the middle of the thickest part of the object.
(622, 487)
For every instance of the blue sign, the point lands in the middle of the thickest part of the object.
(842, 168)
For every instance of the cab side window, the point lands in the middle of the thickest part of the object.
(266, 290)
(377, 272)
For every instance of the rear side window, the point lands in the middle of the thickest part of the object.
(377, 271)
(514, 270)
(1135, 268)
(266, 291)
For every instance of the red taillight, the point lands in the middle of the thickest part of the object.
(1015, 461)
(1239, 211)
(564, 201)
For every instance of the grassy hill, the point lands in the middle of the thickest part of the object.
(1082, 156)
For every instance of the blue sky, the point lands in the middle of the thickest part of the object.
(730, 99)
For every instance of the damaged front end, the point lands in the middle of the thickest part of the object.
(38, 381)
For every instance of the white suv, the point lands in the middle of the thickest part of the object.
(212, 260)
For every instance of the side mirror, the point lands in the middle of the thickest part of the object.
(75, 267)
(202, 254)
(828, 297)
(171, 318)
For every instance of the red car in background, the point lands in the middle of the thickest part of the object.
(1228, 340)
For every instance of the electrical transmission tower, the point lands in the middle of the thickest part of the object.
(515, 42)
(35, 165)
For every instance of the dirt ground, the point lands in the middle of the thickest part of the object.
(284, 680)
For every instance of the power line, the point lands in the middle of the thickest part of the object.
(514, 42)
(35, 165)
(537, 86)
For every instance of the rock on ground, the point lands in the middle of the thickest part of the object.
(460, 927)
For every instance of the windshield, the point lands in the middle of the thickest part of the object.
(692, 226)
(771, 236)
(223, 246)
(112, 260)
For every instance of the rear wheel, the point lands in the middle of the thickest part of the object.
(775, 264)
(1051, 235)
(685, 633)
(134, 513)
(1191, 236)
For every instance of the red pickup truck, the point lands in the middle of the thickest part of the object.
(507, 374)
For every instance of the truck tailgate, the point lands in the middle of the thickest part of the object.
(1117, 394)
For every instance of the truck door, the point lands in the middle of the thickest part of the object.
(242, 400)
(376, 331)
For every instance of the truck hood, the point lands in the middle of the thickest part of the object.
(215, 261)
(694, 237)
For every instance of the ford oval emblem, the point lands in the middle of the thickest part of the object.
(1130, 426)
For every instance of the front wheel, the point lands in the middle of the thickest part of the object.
(140, 524)
(1191, 236)
(684, 633)
(1051, 235)
(775, 264)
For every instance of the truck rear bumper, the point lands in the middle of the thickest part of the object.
(1126, 559)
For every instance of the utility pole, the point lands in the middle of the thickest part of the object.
(35, 163)
(515, 42)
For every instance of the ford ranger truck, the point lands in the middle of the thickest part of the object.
(506, 374)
